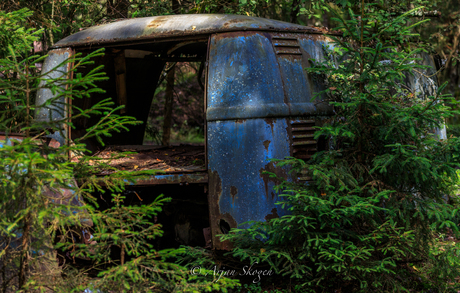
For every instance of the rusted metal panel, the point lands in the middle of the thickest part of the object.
(244, 78)
(172, 26)
(260, 106)
(53, 68)
(238, 155)
(256, 75)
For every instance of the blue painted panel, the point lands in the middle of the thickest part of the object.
(247, 80)
(295, 80)
(239, 153)
(314, 47)
(244, 78)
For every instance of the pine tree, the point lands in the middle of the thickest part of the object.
(384, 188)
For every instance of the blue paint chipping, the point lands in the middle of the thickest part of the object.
(237, 152)
(244, 78)
(253, 94)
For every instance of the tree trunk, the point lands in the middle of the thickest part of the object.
(175, 6)
(295, 11)
(117, 8)
(168, 106)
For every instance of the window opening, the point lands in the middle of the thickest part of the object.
(138, 79)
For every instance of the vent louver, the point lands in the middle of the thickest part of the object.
(303, 143)
(288, 46)
(304, 146)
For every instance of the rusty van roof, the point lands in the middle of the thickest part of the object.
(173, 26)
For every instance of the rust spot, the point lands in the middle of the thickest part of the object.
(215, 187)
(215, 192)
(157, 21)
(215, 217)
(270, 167)
(270, 122)
(273, 215)
(240, 120)
(273, 195)
(233, 192)
(235, 20)
(266, 144)
(61, 51)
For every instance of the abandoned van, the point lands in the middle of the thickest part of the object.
(257, 104)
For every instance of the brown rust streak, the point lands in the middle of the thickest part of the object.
(233, 192)
(270, 167)
(271, 216)
(215, 192)
(157, 22)
(231, 21)
(270, 122)
(266, 144)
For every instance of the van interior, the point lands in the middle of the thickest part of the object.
(163, 85)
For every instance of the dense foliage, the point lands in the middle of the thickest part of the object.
(384, 187)
(377, 215)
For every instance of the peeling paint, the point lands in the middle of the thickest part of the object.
(271, 167)
(266, 144)
(273, 215)
(174, 26)
(233, 192)
(269, 122)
